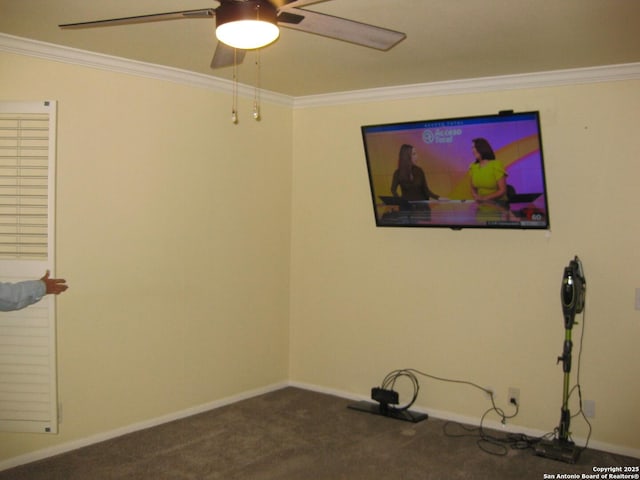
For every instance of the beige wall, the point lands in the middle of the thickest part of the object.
(173, 232)
(474, 305)
(207, 259)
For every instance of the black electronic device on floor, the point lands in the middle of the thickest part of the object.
(386, 399)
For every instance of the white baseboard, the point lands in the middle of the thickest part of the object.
(439, 414)
(118, 432)
(467, 420)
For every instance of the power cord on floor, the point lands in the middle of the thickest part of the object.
(488, 443)
(495, 445)
(492, 444)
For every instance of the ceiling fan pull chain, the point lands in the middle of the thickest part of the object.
(256, 94)
(234, 106)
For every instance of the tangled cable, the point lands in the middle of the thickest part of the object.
(487, 443)
(391, 378)
(495, 445)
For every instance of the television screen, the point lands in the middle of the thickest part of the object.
(468, 172)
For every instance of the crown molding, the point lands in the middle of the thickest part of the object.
(608, 73)
(59, 53)
(34, 48)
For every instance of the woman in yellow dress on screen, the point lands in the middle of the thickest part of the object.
(410, 178)
(488, 176)
(489, 184)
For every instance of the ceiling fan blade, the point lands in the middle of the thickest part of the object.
(280, 3)
(226, 56)
(156, 17)
(342, 29)
(285, 4)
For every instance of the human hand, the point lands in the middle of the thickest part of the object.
(54, 286)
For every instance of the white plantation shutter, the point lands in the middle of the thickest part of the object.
(28, 389)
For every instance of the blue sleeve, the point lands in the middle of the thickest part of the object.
(15, 296)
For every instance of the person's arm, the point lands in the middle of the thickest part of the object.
(499, 193)
(474, 190)
(394, 184)
(429, 194)
(15, 296)
(54, 286)
(421, 180)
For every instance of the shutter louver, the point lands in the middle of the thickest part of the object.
(24, 155)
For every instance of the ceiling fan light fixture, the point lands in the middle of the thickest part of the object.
(247, 25)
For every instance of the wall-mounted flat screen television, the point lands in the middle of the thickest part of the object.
(468, 172)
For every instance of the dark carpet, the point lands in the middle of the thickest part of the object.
(295, 434)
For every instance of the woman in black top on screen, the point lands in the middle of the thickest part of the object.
(410, 178)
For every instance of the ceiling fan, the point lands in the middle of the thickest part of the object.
(251, 15)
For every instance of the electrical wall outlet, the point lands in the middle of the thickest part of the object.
(514, 394)
(589, 408)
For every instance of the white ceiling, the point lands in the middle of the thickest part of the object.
(446, 39)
